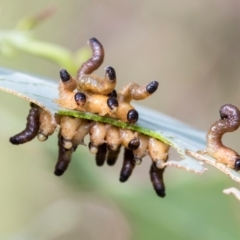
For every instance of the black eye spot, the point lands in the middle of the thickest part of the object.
(64, 75)
(134, 144)
(112, 103)
(132, 116)
(152, 87)
(80, 98)
(113, 94)
(111, 73)
(237, 165)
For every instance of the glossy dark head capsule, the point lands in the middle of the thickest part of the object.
(152, 87)
(112, 103)
(237, 165)
(132, 116)
(134, 144)
(64, 75)
(80, 98)
(111, 73)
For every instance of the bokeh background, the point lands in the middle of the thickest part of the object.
(193, 49)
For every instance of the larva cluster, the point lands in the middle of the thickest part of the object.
(98, 95)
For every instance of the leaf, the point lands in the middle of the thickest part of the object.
(42, 92)
(185, 139)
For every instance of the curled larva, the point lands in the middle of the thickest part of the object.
(156, 176)
(229, 122)
(32, 127)
(47, 125)
(89, 82)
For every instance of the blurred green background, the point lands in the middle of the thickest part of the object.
(193, 49)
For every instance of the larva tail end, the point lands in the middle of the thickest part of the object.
(14, 140)
(160, 192)
(59, 172)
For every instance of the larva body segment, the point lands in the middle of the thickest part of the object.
(69, 126)
(99, 104)
(97, 85)
(81, 132)
(156, 176)
(97, 136)
(229, 122)
(32, 127)
(113, 137)
(158, 151)
(128, 165)
(47, 125)
(66, 89)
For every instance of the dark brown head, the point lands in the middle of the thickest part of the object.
(110, 72)
(237, 164)
(132, 116)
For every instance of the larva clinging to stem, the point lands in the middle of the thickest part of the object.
(229, 122)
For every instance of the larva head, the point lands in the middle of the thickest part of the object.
(64, 75)
(112, 103)
(237, 164)
(152, 87)
(132, 116)
(134, 144)
(110, 73)
(80, 98)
